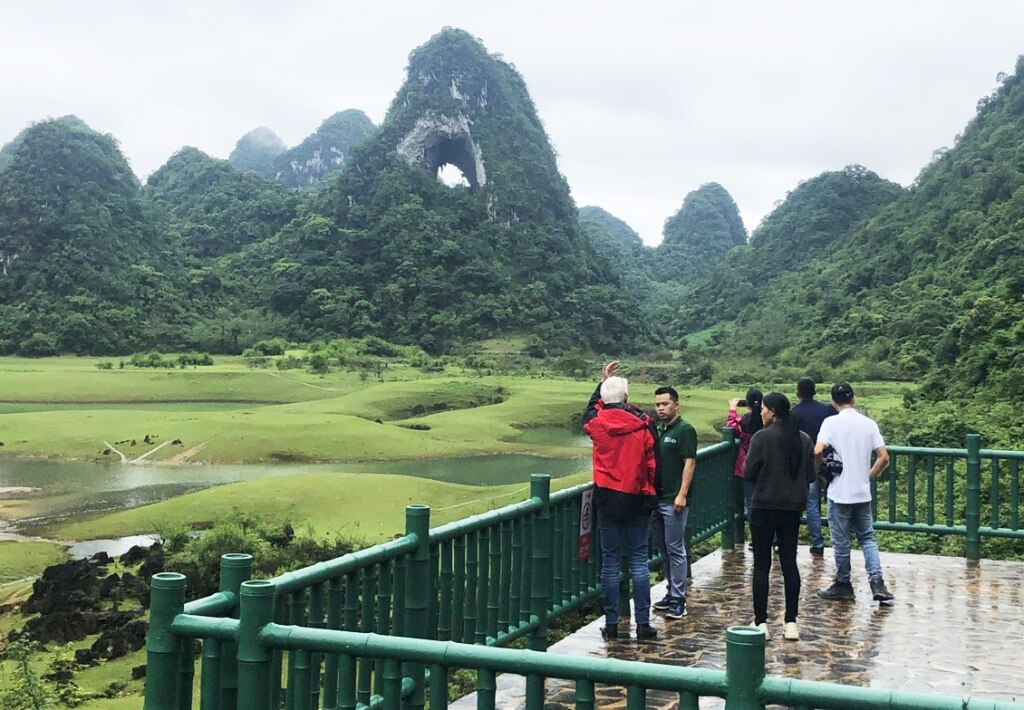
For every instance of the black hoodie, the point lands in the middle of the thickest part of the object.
(767, 466)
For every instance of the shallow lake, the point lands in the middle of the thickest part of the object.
(35, 493)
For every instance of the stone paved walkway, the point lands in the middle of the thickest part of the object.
(956, 628)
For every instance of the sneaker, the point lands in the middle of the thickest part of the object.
(839, 591)
(817, 551)
(880, 592)
(764, 627)
(644, 632)
(610, 632)
(791, 631)
(664, 604)
(677, 610)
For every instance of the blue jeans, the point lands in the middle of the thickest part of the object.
(748, 496)
(630, 539)
(845, 519)
(814, 516)
(669, 531)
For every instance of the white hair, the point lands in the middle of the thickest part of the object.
(614, 390)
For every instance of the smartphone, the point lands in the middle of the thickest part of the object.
(742, 403)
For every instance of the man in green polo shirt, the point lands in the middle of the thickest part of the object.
(677, 440)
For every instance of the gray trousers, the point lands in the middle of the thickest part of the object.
(669, 531)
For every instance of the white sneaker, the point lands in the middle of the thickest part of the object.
(764, 627)
(791, 632)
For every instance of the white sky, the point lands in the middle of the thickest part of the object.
(643, 101)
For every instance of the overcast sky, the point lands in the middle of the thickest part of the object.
(643, 101)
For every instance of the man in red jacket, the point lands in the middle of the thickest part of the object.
(624, 495)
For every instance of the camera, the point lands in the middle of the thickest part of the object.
(742, 403)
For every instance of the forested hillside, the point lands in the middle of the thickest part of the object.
(929, 287)
(210, 208)
(82, 268)
(389, 250)
(324, 151)
(698, 236)
(697, 239)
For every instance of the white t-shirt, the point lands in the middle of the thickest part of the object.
(854, 437)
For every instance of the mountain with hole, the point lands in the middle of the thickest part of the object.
(390, 249)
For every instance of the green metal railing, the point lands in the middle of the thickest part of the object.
(383, 627)
(951, 492)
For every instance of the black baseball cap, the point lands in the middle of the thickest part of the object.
(842, 393)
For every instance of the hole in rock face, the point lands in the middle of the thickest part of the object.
(451, 176)
(455, 155)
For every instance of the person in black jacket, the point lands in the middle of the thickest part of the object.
(780, 463)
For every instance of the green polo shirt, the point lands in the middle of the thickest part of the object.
(678, 442)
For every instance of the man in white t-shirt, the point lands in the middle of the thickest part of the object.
(854, 437)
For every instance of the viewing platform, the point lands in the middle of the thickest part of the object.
(955, 628)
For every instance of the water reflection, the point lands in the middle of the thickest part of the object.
(36, 493)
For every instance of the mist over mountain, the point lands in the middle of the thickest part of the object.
(257, 151)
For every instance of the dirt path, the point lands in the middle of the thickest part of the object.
(124, 459)
(142, 458)
(184, 456)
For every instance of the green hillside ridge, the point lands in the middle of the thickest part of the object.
(699, 235)
(618, 243)
(214, 208)
(816, 218)
(930, 287)
(324, 151)
(82, 268)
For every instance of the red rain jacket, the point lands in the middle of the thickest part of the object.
(624, 460)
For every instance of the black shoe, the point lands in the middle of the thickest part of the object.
(644, 632)
(677, 610)
(817, 551)
(880, 592)
(610, 632)
(664, 604)
(839, 591)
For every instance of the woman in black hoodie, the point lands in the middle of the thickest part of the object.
(780, 464)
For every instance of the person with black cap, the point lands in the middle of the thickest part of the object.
(808, 415)
(853, 437)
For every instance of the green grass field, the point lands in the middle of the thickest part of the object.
(66, 408)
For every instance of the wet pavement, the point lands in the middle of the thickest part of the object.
(955, 628)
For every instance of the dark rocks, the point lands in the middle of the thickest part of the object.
(63, 626)
(70, 586)
(110, 587)
(118, 641)
(176, 442)
(151, 566)
(101, 558)
(138, 553)
(139, 672)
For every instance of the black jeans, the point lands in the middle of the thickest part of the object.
(782, 526)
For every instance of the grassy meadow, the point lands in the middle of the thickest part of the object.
(66, 408)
